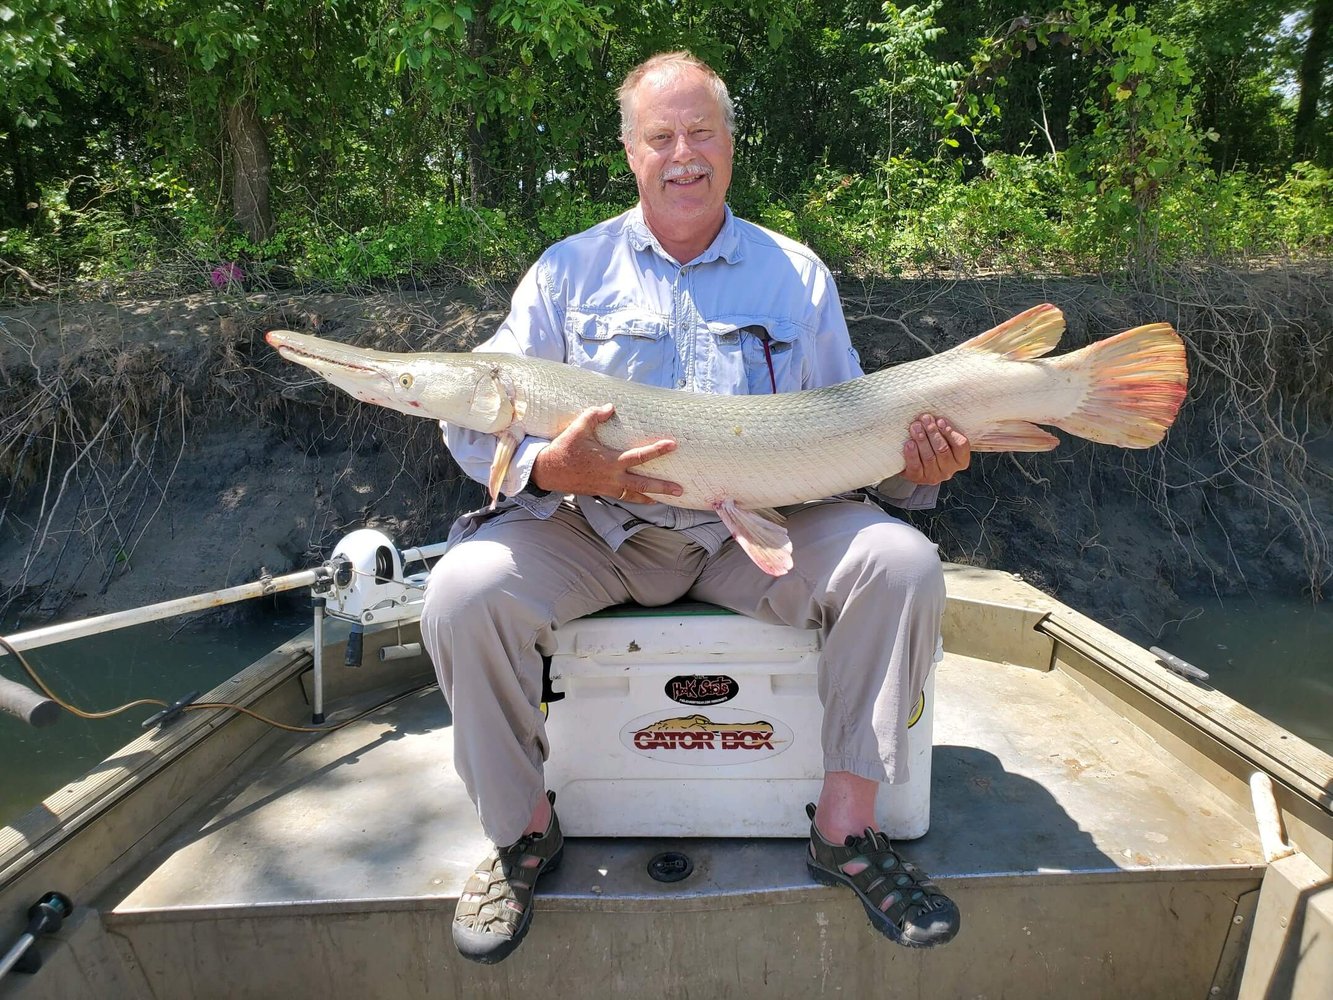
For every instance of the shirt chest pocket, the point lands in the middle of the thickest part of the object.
(628, 343)
(772, 353)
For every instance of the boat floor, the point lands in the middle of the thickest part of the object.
(1031, 775)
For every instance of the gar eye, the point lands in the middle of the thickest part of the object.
(405, 380)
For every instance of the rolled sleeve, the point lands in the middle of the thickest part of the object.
(474, 451)
(533, 327)
(905, 494)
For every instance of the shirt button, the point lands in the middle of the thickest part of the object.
(680, 383)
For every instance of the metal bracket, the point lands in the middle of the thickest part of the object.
(171, 713)
(1231, 963)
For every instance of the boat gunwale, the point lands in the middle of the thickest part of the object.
(81, 802)
(621, 902)
(1259, 741)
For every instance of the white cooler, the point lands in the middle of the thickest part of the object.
(691, 721)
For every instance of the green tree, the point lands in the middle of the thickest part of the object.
(487, 68)
(1233, 50)
(38, 59)
(1310, 127)
(1144, 132)
(230, 74)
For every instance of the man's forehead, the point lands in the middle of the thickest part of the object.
(657, 117)
(662, 98)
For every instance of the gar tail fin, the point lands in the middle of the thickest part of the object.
(1028, 335)
(1136, 382)
(760, 535)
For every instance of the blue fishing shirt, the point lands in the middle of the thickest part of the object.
(612, 300)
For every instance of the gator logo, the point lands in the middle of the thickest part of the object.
(700, 689)
(724, 736)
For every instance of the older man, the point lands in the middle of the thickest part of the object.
(678, 292)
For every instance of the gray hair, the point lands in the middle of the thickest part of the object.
(668, 66)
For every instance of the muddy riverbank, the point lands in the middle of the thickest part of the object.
(155, 448)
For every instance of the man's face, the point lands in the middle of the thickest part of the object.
(680, 153)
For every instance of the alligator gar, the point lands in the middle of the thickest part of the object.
(743, 456)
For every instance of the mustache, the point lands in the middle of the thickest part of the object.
(686, 170)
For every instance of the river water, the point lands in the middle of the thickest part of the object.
(1273, 654)
(163, 660)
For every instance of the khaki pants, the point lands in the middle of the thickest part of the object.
(870, 583)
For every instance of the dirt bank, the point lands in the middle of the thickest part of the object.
(152, 449)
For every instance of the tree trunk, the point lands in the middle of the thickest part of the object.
(19, 195)
(481, 179)
(595, 176)
(251, 165)
(1311, 78)
(530, 192)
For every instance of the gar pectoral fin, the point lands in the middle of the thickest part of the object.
(760, 534)
(1013, 435)
(506, 444)
(510, 407)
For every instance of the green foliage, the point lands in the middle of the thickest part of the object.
(420, 137)
(917, 89)
(1007, 217)
(430, 239)
(1301, 209)
(37, 58)
(1027, 213)
(1143, 137)
(1241, 55)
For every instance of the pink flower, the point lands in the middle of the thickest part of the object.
(227, 274)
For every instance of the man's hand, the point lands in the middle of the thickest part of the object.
(576, 462)
(935, 451)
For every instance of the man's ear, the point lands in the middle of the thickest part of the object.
(629, 152)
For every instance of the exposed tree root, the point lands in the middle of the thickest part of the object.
(164, 443)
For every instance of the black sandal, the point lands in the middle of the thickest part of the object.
(918, 915)
(495, 907)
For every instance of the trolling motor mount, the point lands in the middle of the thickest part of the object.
(364, 583)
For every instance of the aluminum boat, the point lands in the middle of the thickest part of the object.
(1109, 827)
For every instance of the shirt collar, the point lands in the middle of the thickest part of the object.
(726, 245)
